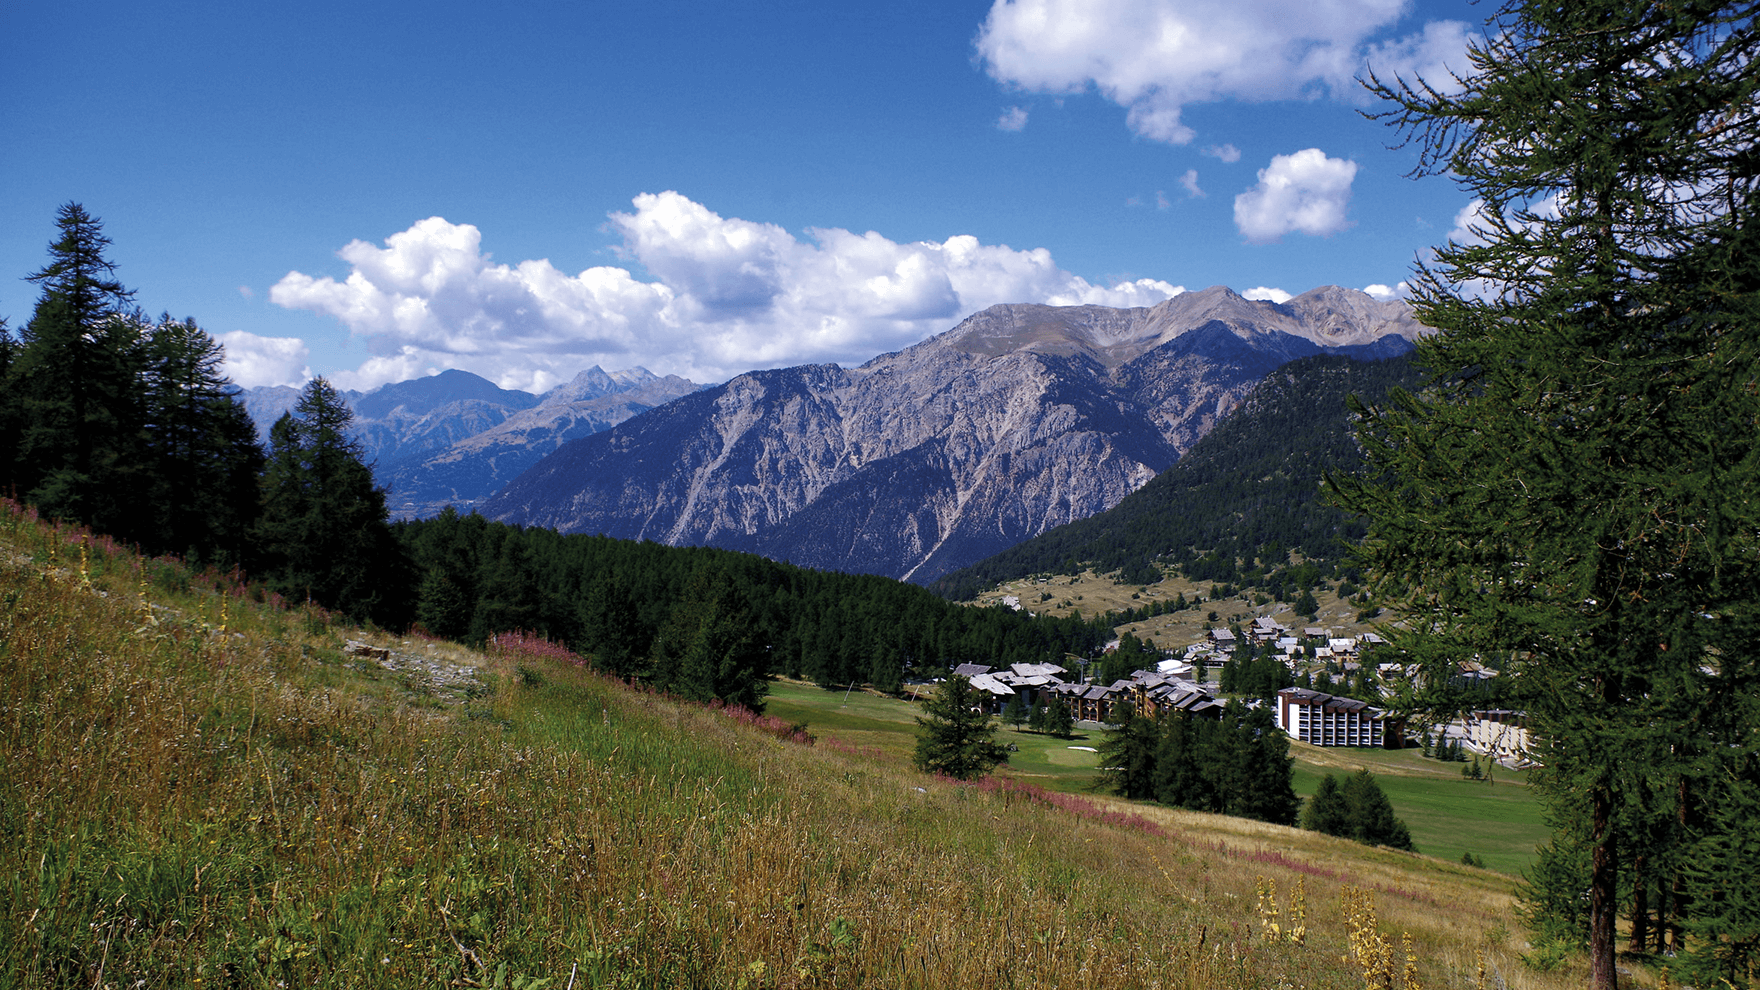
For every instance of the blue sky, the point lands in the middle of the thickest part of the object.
(373, 191)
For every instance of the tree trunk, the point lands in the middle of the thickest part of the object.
(1640, 906)
(1678, 896)
(1603, 892)
(1664, 913)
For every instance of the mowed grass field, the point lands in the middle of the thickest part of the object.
(1498, 821)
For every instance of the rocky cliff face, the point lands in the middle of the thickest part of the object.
(1019, 419)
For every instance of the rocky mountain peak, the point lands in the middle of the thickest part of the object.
(595, 382)
(421, 396)
(1021, 418)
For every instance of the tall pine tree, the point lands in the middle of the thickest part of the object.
(323, 534)
(1571, 496)
(955, 736)
(73, 386)
(203, 459)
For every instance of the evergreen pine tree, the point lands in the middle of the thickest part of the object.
(1058, 720)
(1370, 818)
(1305, 604)
(1128, 754)
(1015, 712)
(11, 415)
(955, 738)
(1569, 496)
(1264, 783)
(202, 493)
(74, 386)
(706, 650)
(1326, 811)
(1178, 774)
(323, 531)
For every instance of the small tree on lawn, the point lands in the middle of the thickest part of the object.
(954, 737)
(1371, 817)
(1058, 720)
(1355, 809)
(1128, 756)
(1016, 712)
(1326, 811)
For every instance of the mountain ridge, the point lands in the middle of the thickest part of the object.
(1020, 418)
(453, 438)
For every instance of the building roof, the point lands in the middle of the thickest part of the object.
(989, 684)
(1330, 702)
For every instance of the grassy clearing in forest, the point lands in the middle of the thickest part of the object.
(1091, 594)
(204, 790)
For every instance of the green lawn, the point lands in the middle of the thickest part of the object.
(1499, 822)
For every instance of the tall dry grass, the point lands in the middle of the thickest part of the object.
(201, 789)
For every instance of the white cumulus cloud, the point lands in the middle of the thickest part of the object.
(252, 360)
(1469, 217)
(1189, 182)
(1226, 153)
(1267, 294)
(1306, 192)
(1387, 293)
(727, 295)
(1155, 57)
(1012, 119)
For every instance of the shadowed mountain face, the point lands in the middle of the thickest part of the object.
(405, 419)
(471, 469)
(454, 438)
(1020, 419)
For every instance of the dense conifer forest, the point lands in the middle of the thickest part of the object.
(709, 623)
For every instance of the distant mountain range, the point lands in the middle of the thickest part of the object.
(1020, 419)
(454, 438)
(1250, 489)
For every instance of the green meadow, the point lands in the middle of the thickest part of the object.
(204, 789)
(1498, 821)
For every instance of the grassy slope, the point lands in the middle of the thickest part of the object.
(201, 791)
(1091, 594)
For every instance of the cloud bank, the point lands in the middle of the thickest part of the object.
(727, 295)
(252, 360)
(1306, 192)
(1154, 57)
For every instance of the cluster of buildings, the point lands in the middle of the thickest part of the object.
(1310, 716)
(1311, 643)
(1039, 684)
(1307, 715)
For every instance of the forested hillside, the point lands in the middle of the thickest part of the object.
(707, 623)
(1248, 491)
